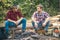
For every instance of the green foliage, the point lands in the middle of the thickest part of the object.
(29, 6)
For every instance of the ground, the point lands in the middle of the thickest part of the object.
(41, 37)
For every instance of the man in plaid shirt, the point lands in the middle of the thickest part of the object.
(41, 18)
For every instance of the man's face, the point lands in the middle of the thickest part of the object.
(39, 9)
(14, 9)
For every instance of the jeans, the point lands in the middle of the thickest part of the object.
(40, 25)
(11, 24)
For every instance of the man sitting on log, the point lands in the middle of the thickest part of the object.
(40, 18)
(12, 19)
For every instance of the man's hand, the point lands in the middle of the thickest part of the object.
(19, 20)
(16, 22)
(37, 21)
(13, 21)
(44, 24)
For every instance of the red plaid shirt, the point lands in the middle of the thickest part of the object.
(13, 15)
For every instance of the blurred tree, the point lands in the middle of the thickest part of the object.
(29, 6)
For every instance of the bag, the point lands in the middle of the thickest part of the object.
(2, 34)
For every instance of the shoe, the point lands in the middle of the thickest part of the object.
(9, 37)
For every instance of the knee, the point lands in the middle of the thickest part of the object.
(24, 19)
(6, 22)
(33, 22)
(48, 23)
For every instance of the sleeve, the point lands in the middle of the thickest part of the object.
(46, 15)
(34, 15)
(7, 16)
(20, 14)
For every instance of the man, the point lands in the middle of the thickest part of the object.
(12, 19)
(40, 18)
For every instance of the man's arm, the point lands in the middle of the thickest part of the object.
(19, 20)
(46, 20)
(8, 17)
(11, 21)
(20, 16)
(33, 17)
(47, 16)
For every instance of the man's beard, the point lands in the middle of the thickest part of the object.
(39, 11)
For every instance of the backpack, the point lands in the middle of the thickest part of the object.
(2, 34)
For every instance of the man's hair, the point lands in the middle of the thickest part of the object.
(14, 7)
(40, 5)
